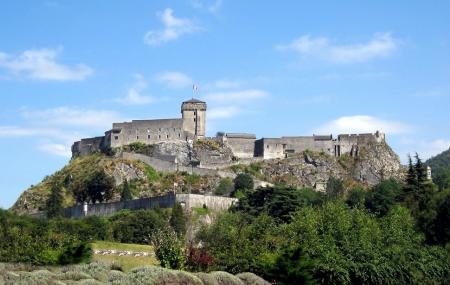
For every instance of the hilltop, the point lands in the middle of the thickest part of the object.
(155, 169)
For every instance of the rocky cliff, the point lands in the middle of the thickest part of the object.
(307, 169)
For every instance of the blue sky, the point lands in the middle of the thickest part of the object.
(68, 69)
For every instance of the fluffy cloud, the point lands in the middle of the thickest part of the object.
(424, 148)
(134, 96)
(236, 96)
(223, 112)
(361, 124)
(173, 29)
(174, 79)
(41, 64)
(56, 149)
(381, 45)
(73, 117)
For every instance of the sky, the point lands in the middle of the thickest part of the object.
(69, 69)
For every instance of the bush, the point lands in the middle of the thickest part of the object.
(243, 182)
(225, 187)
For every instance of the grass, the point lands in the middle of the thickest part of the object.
(126, 262)
(201, 211)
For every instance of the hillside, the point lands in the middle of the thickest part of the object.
(307, 169)
(440, 161)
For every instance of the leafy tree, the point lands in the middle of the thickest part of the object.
(126, 192)
(243, 182)
(442, 178)
(168, 249)
(53, 207)
(335, 187)
(290, 266)
(442, 220)
(99, 186)
(225, 187)
(177, 220)
(383, 196)
(356, 198)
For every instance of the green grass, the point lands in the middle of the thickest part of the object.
(126, 262)
(201, 211)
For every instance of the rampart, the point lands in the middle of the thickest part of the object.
(211, 202)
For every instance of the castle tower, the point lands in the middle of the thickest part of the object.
(194, 114)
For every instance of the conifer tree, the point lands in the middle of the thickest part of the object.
(177, 220)
(421, 171)
(54, 202)
(411, 178)
(126, 192)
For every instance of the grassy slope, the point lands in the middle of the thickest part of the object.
(126, 262)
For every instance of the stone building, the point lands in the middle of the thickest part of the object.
(191, 126)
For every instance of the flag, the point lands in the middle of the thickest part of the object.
(195, 88)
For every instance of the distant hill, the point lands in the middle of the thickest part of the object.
(440, 161)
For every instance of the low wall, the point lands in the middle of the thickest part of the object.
(216, 203)
(107, 209)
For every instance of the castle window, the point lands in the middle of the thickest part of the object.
(267, 146)
(167, 136)
(159, 129)
(194, 119)
(179, 135)
(148, 136)
(116, 137)
(137, 137)
(159, 136)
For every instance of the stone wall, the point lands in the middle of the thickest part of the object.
(88, 146)
(211, 202)
(147, 131)
(242, 145)
(107, 209)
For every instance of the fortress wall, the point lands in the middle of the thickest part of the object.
(242, 147)
(271, 148)
(88, 145)
(212, 202)
(107, 209)
(147, 131)
(168, 166)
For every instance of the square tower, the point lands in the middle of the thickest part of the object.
(194, 116)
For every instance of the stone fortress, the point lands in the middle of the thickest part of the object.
(191, 127)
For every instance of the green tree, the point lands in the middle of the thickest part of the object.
(383, 196)
(290, 266)
(126, 191)
(168, 249)
(335, 188)
(177, 220)
(356, 198)
(243, 182)
(53, 207)
(225, 187)
(442, 178)
(421, 171)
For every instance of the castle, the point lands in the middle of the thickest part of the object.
(191, 127)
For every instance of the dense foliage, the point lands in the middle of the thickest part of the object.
(395, 233)
(24, 239)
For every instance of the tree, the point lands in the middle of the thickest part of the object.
(356, 198)
(442, 178)
(168, 249)
(126, 192)
(290, 266)
(421, 171)
(99, 186)
(225, 187)
(243, 182)
(177, 220)
(383, 196)
(53, 207)
(411, 178)
(335, 187)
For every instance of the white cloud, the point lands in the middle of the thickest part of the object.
(56, 149)
(381, 45)
(40, 64)
(236, 96)
(73, 117)
(174, 79)
(425, 149)
(223, 112)
(362, 124)
(173, 29)
(134, 96)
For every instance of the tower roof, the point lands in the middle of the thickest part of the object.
(193, 100)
